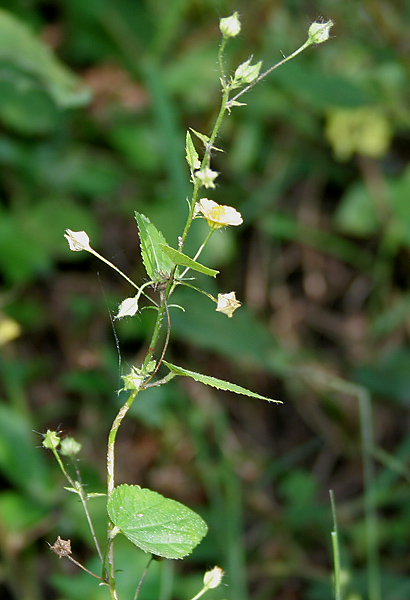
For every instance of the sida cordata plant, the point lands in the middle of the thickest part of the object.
(161, 527)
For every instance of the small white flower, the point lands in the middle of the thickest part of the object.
(218, 215)
(77, 240)
(207, 177)
(227, 304)
(230, 26)
(127, 308)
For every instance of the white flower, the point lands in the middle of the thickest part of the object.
(207, 177)
(218, 215)
(230, 26)
(227, 304)
(77, 240)
(128, 307)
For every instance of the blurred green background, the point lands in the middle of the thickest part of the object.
(95, 100)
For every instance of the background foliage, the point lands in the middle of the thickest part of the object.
(95, 99)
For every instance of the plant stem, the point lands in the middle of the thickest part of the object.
(336, 550)
(137, 591)
(109, 555)
(110, 264)
(78, 488)
(232, 101)
(370, 500)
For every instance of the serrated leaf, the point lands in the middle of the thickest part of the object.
(155, 524)
(192, 156)
(157, 264)
(220, 384)
(22, 49)
(178, 258)
(204, 138)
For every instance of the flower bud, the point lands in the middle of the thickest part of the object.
(70, 446)
(319, 32)
(128, 308)
(246, 73)
(230, 26)
(213, 578)
(51, 440)
(77, 240)
(133, 380)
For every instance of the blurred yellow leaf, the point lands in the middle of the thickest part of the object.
(9, 330)
(365, 130)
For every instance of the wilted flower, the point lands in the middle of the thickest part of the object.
(77, 240)
(227, 304)
(207, 177)
(319, 32)
(218, 215)
(230, 26)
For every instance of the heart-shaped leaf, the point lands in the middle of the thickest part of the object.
(155, 524)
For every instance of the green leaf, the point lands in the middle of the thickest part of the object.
(182, 259)
(24, 51)
(157, 264)
(192, 156)
(204, 138)
(356, 213)
(155, 524)
(220, 384)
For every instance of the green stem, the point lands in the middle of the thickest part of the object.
(267, 72)
(155, 333)
(221, 62)
(205, 163)
(110, 264)
(211, 230)
(336, 549)
(109, 553)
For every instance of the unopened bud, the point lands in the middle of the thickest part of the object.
(230, 26)
(128, 307)
(319, 32)
(70, 446)
(246, 73)
(77, 240)
(51, 440)
(213, 578)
